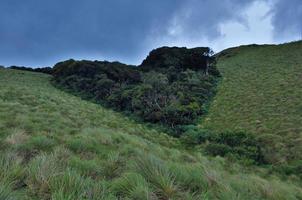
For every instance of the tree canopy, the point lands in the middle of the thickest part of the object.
(170, 87)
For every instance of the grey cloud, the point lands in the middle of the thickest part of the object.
(201, 18)
(287, 18)
(39, 32)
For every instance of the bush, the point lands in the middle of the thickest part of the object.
(217, 149)
(242, 145)
(292, 168)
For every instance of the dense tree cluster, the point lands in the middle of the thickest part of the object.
(170, 87)
(46, 70)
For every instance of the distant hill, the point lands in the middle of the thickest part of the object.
(46, 70)
(261, 93)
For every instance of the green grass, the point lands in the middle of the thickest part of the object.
(261, 93)
(57, 146)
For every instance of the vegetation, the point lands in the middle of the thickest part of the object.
(261, 94)
(170, 87)
(57, 146)
(240, 145)
(46, 70)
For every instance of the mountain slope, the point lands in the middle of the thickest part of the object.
(56, 146)
(261, 93)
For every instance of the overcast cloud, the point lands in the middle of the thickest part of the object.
(42, 32)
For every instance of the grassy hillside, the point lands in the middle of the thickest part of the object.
(261, 93)
(56, 146)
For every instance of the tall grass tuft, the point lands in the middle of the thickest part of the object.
(42, 168)
(158, 175)
(190, 177)
(113, 166)
(133, 186)
(11, 176)
(7, 193)
(11, 170)
(69, 185)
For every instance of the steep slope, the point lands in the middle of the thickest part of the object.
(261, 93)
(56, 146)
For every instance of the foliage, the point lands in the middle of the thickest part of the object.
(46, 70)
(242, 145)
(170, 87)
(292, 168)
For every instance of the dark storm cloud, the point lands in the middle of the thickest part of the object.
(39, 32)
(287, 18)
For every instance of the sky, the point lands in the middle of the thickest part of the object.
(39, 33)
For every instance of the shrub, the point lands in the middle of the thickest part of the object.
(242, 145)
(193, 135)
(292, 168)
(218, 149)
